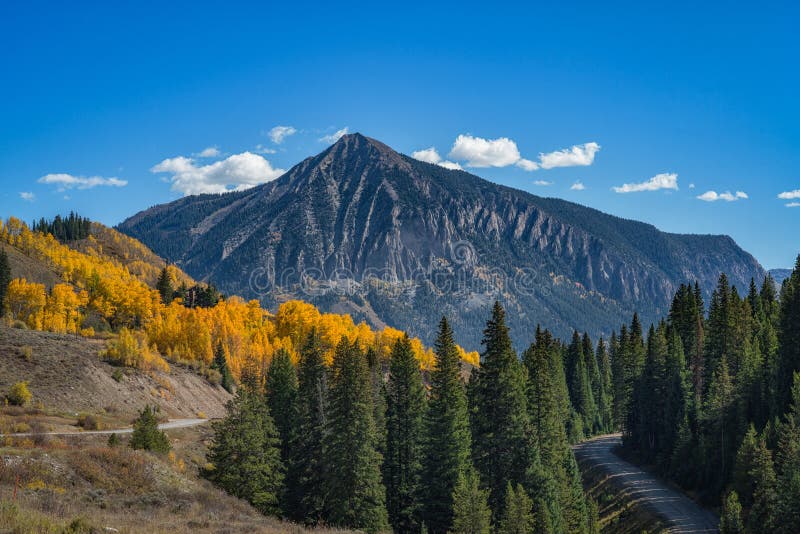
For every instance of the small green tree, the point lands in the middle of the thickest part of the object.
(517, 517)
(220, 364)
(471, 513)
(730, 522)
(113, 440)
(19, 394)
(146, 435)
(164, 286)
(245, 454)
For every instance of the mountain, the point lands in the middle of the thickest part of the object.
(362, 229)
(779, 275)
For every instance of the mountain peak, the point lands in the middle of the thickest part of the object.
(358, 147)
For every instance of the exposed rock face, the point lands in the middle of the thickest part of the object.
(363, 229)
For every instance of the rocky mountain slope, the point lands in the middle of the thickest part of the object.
(363, 229)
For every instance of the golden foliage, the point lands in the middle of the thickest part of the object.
(118, 287)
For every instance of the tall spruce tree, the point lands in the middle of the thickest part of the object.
(730, 521)
(308, 467)
(245, 453)
(280, 388)
(789, 328)
(355, 493)
(402, 467)
(447, 433)
(503, 450)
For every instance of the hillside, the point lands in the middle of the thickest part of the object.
(66, 372)
(393, 240)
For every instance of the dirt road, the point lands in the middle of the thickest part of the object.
(680, 512)
(175, 423)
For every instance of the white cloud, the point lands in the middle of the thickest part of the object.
(27, 196)
(691, 186)
(68, 181)
(793, 205)
(577, 156)
(279, 133)
(335, 136)
(210, 152)
(234, 173)
(577, 186)
(479, 152)
(713, 196)
(527, 164)
(502, 152)
(542, 182)
(790, 195)
(261, 149)
(430, 155)
(659, 181)
(452, 165)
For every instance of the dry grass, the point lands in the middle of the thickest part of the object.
(91, 488)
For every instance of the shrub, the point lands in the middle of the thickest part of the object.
(19, 325)
(89, 422)
(19, 394)
(117, 375)
(146, 434)
(131, 349)
(21, 428)
(27, 353)
(113, 440)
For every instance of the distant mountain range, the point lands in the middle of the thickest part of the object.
(391, 240)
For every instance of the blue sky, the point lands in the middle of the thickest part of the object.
(94, 98)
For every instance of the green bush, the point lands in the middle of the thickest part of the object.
(146, 435)
(19, 394)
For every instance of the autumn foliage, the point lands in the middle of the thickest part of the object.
(116, 283)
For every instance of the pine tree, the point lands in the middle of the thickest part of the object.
(503, 450)
(547, 408)
(789, 329)
(245, 453)
(604, 400)
(164, 286)
(447, 445)
(730, 521)
(378, 398)
(743, 483)
(518, 512)
(356, 496)
(471, 513)
(5, 280)
(146, 434)
(280, 389)
(761, 518)
(787, 463)
(405, 402)
(220, 364)
(718, 411)
(308, 465)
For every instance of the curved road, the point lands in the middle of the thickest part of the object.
(680, 512)
(175, 423)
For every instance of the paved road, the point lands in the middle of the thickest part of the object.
(175, 423)
(680, 512)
